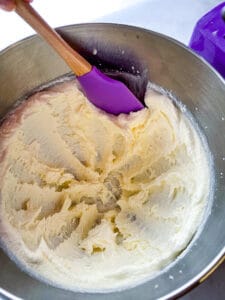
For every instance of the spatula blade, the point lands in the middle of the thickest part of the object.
(108, 94)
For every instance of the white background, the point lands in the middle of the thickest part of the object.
(175, 18)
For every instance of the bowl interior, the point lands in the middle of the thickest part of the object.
(31, 63)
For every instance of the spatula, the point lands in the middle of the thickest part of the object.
(104, 92)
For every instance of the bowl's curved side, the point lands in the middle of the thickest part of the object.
(170, 65)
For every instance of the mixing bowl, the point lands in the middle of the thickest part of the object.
(31, 63)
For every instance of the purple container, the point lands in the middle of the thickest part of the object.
(208, 38)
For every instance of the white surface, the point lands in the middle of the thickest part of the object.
(175, 18)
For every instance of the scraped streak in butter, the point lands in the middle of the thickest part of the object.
(90, 201)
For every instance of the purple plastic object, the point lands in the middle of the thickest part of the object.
(208, 38)
(108, 94)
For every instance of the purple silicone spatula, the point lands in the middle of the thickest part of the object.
(104, 92)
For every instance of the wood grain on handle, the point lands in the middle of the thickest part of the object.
(75, 61)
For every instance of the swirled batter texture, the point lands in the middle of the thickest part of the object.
(91, 201)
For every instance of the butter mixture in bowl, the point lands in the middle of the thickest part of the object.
(95, 202)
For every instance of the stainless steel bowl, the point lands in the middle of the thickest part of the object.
(31, 63)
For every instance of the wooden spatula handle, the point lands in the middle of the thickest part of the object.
(75, 61)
